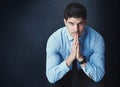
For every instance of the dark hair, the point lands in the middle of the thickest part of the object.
(75, 10)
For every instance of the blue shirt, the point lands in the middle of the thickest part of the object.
(59, 47)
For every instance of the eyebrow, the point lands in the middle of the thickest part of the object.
(71, 22)
(80, 22)
(77, 23)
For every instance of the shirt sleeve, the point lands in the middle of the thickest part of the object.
(56, 67)
(95, 67)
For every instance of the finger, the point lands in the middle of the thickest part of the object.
(75, 43)
(76, 36)
(75, 39)
(78, 49)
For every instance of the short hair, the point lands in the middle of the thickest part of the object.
(75, 10)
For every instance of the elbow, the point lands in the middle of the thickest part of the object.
(99, 77)
(50, 77)
(97, 80)
(51, 80)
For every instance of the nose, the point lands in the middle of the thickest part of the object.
(76, 28)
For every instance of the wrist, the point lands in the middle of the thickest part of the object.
(82, 60)
(69, 60)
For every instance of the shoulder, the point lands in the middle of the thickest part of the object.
(55, 39)
(56, 35)
(94, 36)
(93, 33)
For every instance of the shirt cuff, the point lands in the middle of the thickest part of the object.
(63, 66)
(87, 69)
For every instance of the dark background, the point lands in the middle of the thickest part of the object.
(25, 26)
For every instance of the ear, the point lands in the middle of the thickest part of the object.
(65, 21)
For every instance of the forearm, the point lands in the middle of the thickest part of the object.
(57, 72)
(94, 72)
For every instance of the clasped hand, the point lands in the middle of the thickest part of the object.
(75, 52)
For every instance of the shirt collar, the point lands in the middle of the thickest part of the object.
(71, 38)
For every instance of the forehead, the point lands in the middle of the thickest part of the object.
(75, 20)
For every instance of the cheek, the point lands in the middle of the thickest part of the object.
(70, 29)
(81, 29)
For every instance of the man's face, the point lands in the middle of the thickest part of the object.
(75, 26)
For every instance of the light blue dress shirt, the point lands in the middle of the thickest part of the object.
(59, 48)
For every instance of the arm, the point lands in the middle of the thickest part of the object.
(56, 67)
(95, 67)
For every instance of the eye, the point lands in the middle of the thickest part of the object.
(71, 23)
(81, 23)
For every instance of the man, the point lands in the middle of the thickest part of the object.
(75, 41)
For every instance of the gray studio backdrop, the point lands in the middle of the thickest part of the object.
(25, 28)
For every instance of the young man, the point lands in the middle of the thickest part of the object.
(75, 41)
